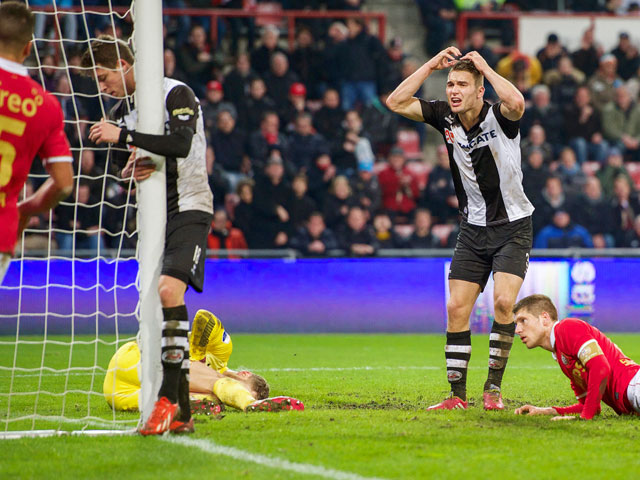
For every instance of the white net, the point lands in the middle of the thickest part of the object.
(70, 297)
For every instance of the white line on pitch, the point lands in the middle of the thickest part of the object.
(272, 462)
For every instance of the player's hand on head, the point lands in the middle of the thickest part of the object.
(445, 59)
(104, 132)
(477, 59)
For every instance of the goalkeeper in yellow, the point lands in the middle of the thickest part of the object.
(210, 379)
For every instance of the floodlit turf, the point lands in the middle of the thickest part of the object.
(365, 399)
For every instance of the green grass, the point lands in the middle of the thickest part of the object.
(365, 417)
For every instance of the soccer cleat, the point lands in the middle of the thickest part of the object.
(179, 427)
(450, 403)
(202, 406)
(161, 417)
(492, 400)
(203, 324)
(275, 404)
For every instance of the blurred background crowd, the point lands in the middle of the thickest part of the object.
(303, 153)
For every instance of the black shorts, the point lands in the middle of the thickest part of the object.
(501, 248)
(185, 247)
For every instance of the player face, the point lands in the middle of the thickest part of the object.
(529, 328)
(462, 92)
(112, 82)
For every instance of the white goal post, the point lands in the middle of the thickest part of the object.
(65, 312)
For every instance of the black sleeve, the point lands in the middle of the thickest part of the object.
(509, 127)
(433, 112)
(183, 116)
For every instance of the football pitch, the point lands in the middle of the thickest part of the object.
(365, 398)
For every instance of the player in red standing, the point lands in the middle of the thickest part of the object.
(31, 123)
(598, 370)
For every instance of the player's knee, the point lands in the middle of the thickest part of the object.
(167, 296)
(503, 305)
(456, 312)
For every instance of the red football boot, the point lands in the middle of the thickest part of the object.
(275, 404)
(179, 427)
(161, 417)
(492, 400)
(450, 403)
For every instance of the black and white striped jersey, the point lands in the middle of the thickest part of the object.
(187, 179)
(485, 163)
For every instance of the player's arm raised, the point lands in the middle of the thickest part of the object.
(512, 106)
(57, 187)
(402, 99)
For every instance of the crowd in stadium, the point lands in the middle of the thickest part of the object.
(303, 153)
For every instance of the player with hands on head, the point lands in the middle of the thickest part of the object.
(496, 234)
(31, 123)
(189, 207)
(596, 367)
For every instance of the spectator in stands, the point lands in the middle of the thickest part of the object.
(352, 146)
(390, 73)
(438, 16)
(328, 119)
(535, 174)
(604, 82)
(279, 79)
(304, 144)
(265, 139)
(261, 56)
(381, 124)
(562, 233)
(223, 236)
(477, 42)
(422, 237)
(570, 173)
(338, 202)
(306, 61)
(543, 113)
(333, 58)
(91, 174)
(301, 204)
(520, 69)
(363, 55)
(237, 82)
(595, 214)
(583, 128)
(613, 168)
(230, 147)
(356, 236)
(554, 198)
(295, 105)
(39, 239)
(171, 66)
(550, 54)
(49, 70)
(83, 222)
(196, 60)
(399, 187)
(632, 238)
(218, 182)
(236, 24)
(244, 211)
(439, 195)
(621, 124)
(366, 188)
(626, 208)
(537, 139)
(72, 110)
(255, 106)
(586, 58)
(384, 232)
(314, 239)
(214, 103)
(627, 55)
(564, 81)
(320, 175)
(272, 206)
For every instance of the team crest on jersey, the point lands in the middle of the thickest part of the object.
(448, 136)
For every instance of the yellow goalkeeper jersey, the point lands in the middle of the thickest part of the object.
(121, 385)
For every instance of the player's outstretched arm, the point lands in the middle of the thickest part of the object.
(402, 99)
(57, 187)
(532, 410)
(512, 106)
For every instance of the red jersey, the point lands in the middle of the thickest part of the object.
(575, 343)
(31, 123)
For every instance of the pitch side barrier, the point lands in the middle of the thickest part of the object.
(284, 19)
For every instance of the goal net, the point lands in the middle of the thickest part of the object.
(82, 281)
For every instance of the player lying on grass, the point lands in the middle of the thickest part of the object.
(598, 370)
(210, 378)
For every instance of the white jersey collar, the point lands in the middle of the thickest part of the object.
(13, 67)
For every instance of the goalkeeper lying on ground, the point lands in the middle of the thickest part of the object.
(210, 380)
